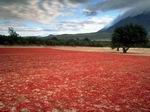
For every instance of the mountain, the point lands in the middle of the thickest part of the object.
(142, 19)
(105, 34)
(102, 36)
(92, 36)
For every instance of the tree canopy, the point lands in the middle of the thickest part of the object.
(127, 36)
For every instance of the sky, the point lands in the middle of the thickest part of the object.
(45, 17)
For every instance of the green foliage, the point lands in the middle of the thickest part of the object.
(129, 36)
(14, 39)
(8, 40)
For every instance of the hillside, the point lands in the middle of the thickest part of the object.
(142, 19)
(92, 36)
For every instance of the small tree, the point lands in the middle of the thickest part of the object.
(12, 32)
(129, 36)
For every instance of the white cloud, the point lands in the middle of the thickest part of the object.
(96, 24)
(44, 11)
(92, 24)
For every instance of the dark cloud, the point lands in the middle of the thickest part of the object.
(89, 12)
(5, 14)
(129, 7)
(10, 2)
(114, 4)
(78, 1)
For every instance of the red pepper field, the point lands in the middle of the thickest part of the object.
(50, 80)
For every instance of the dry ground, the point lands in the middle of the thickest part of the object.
(131, 51)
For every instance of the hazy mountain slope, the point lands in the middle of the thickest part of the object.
(142, 19)
(92, 36)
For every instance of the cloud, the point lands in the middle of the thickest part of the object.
(24, 28)
(43, 11)
(30, 10)
(8, 2)
(89, 12)
(129, 7)
(92, 24)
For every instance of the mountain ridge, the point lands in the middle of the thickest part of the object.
(141, 19)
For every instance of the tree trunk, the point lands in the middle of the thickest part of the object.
(117, 48)
(125, 49)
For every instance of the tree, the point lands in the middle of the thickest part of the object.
(12, 32)
(127, 36)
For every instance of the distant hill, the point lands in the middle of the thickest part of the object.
(92, 36)
(97, 36)
(105, 34)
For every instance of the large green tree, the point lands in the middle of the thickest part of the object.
(127, 36)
